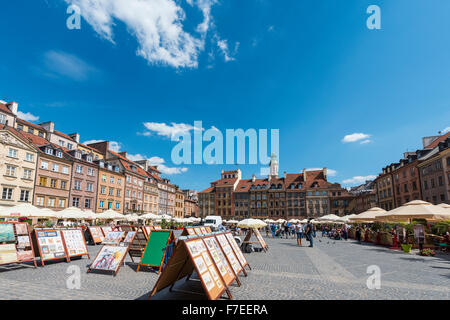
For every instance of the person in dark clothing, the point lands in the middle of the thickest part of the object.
(309, 233)
(358, 234)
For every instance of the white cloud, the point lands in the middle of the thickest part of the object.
(354, 137)
(156, 24)
(61, 64)
(445, 130)
(365, 141)
(359, 179)
(223, 46)
(27, 116)
(159, 163)
(330, 172)
(165, 130)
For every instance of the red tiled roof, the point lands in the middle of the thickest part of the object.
(30, 124)
(435, 143)
(4, 108)
(36, 140)
(225, 182)
(17, 133)
(208, 190)
(63, 135)
(127, 166)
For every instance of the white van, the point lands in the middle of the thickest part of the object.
(213, 221)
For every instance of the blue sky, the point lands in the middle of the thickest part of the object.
(311, 69)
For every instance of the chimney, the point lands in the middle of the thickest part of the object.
(75, 136)
(12, 106)
(285, 174)
(325, 173)
(253, 178)
(102, 146)
(48, 126)
(123, 154)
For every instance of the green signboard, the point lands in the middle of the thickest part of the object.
(156, 248)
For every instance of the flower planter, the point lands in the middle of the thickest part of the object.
(406, 248)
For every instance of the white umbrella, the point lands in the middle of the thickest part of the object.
(416, 209)
(166, 217)
(251, 223)
(368, 215)
(329, 217)
(304, 221)
(444, 205)
(150, 216)
(110, 215)
(232, 221)
(70, 213)
(20, 210)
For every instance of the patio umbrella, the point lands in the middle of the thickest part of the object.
(444, 205)
(251, 223)
(70, 213)
(329, 217)
(416, 209)
(368, 215)
(20, 210)
(346, 219)
(110, 215)
(233, 221)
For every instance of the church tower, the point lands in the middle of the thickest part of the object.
(273, 166)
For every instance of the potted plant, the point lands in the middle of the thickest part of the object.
(427, 252)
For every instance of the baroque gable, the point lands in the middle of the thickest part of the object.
(8, 138)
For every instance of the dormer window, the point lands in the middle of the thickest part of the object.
(49, 151)
(109, 167)
(116, 169)
(59, 154)
(78, 155)
(89, 158)
(300, 186)
(102, 164)
(61, 143)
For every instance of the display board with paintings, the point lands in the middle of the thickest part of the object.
(50, 244)
(111, 257)
(192, 255)
(106, 229)
(220, 260)
(188, 231)
(155, 250)
(230, 255)
(15, 243)
(237, 251)
(96, 234)
(113, 237)
(75, 242)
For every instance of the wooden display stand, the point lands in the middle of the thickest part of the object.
(25, 232)
(190, 231)
(192, 255)
(254, 231)
(68, 241)
(231, 256)
(96, 234)
(237, 251)
(155, 250)
(106, 259)
(41, 238)
(139, 243)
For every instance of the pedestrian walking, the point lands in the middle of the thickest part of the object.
(358, 234)
(309, 233)
(299, 232)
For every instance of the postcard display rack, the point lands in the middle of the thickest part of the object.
(216, 262)
(156, 250)
(190, 231)
(16, 246)
(96, 234)
(112, 255)
(50, 244)
(75, 242)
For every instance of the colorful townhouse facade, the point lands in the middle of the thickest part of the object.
(18, 159)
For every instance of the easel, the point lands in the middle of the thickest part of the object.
(16, 235)
(182, 264)
(86, 251)
(40, 233)
(150, 257)
(253, 231)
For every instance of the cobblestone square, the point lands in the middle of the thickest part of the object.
(330, 270)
